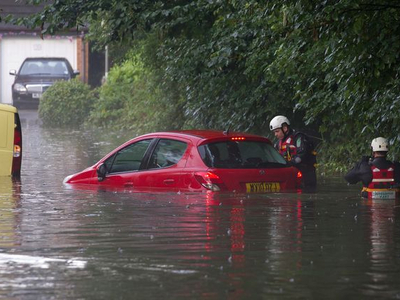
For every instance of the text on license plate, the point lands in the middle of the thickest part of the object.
(383, 195)
(257, 187)
(36, 95)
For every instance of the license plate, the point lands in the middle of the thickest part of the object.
(259, 187)
(36, 95)
(383, 195)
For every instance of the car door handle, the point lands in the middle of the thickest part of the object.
(128, 184)
(169, 181)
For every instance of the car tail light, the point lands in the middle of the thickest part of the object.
(209, 180)
(299, 177)
(17, 149)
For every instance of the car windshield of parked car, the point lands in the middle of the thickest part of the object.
(129, 158)
(167, 153)
(241, 155)
(44, 67)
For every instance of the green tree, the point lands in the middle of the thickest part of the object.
(131, 99)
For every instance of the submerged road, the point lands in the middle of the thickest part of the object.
(59, 243)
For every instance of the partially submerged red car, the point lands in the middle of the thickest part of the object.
(193, 161)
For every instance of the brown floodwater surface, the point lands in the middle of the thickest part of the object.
(61, 243)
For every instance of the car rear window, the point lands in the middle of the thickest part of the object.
(44, 67)
(241, 155)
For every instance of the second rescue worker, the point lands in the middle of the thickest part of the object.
(380, 177)
(296, 148)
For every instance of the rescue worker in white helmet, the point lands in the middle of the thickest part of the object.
(379, 176)
(297, 149)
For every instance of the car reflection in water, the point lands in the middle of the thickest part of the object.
(214, 233)
(281, 246)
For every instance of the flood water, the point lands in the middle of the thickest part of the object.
(58, 243)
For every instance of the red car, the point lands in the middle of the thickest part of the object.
(193, 160)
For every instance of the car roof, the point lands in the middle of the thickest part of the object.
(201, 135)
(45, 58)
(197, 137)
(8, 107)
(206, 134)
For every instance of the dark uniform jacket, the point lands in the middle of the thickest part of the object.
(304, 159)
(362, 170)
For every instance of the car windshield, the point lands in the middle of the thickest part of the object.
(241, 155)
(44, 67)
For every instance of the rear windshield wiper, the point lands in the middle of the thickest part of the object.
(271, 165)
(36, 74)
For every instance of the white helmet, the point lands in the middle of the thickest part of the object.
(379, 144)
(277, 122)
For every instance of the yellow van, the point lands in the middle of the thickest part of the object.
(10, 141)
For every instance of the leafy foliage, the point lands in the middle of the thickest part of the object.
(66, 103)
(331, 65)
(130, 100)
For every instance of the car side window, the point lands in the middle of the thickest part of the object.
(128, 158)
(167, 153)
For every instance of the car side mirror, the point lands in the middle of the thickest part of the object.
(13, 72)
(101, 172)
(76, 73)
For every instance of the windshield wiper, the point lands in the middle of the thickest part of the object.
(271, 165)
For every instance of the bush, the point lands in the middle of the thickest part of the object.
(114, 95)
(132, 99)
(66, 103)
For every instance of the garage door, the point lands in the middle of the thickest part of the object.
(13, 51)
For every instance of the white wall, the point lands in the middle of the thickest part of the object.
(13, 51)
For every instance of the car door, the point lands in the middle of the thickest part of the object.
(10, 141)
(125, 167)
(6, 142)
(166, 164)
